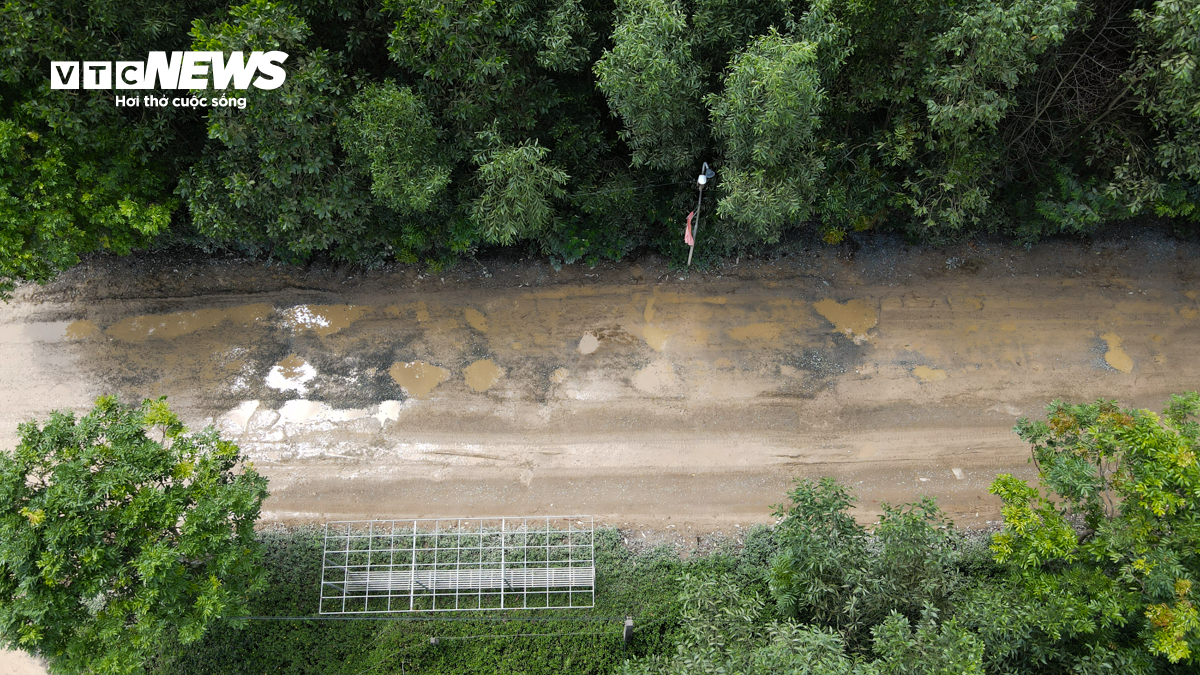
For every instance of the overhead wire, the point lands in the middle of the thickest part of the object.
(516, 635)
(450, 619)
(636, 187)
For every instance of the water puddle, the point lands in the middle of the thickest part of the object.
(417, 377)
(323, 319)
(755, 331)
(926, 374)
(648, 314)
(299, 411)
(482, 375)
(241, 415)
(389, 411)
(476, 319)
(588, 344)
(854, 318)
(80, 330)
(291, 374)
(176, 324)
(656, 337)
(23, 333)
(1116, 356)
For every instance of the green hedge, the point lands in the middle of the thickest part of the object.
(643, 585)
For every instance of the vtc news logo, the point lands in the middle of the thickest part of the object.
(183, 70)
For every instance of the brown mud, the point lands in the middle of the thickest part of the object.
(649, 397)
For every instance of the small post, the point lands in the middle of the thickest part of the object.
(702, 180)
(696, 228)
(628, 634)
(433, 641)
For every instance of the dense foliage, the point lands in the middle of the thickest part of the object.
(424, 129)
(1113, 565)
(118, 530)
(1100, 582)
(1093, 571)
(639, 584)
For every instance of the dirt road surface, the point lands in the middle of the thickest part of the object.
(652, 399)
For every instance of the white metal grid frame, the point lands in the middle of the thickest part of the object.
(457, 564)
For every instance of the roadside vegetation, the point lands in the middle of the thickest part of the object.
(119, 530)
(125, 547)
(425, 130)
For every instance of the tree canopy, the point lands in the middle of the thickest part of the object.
(420, 130)
(120, 531)
(1131, 480)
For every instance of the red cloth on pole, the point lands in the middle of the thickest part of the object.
(687, 231)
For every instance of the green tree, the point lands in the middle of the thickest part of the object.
(827, 573)
(77, 173)
(119, 530)
(518, 186)
(768, 115)
(274, 177)
(931, 649)
(1112, 566)
(390, 134)
(1167, 87)
(56, 202)
(509, 91)
(653, 84)
(727, 631)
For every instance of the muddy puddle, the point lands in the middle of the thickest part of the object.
(178, 324)
(1115, 356)
(291, 374)
(51, 331)
(854, 318)
(418, 378)
(482, 375)
(323, 319)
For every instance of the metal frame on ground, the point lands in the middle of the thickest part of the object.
(456, 564)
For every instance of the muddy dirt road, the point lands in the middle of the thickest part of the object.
(648, 398)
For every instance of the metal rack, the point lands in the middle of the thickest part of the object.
(456, 564)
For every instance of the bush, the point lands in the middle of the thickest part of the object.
(641, 585)
(830, 572)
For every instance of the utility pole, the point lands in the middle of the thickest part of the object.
(705, 174)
